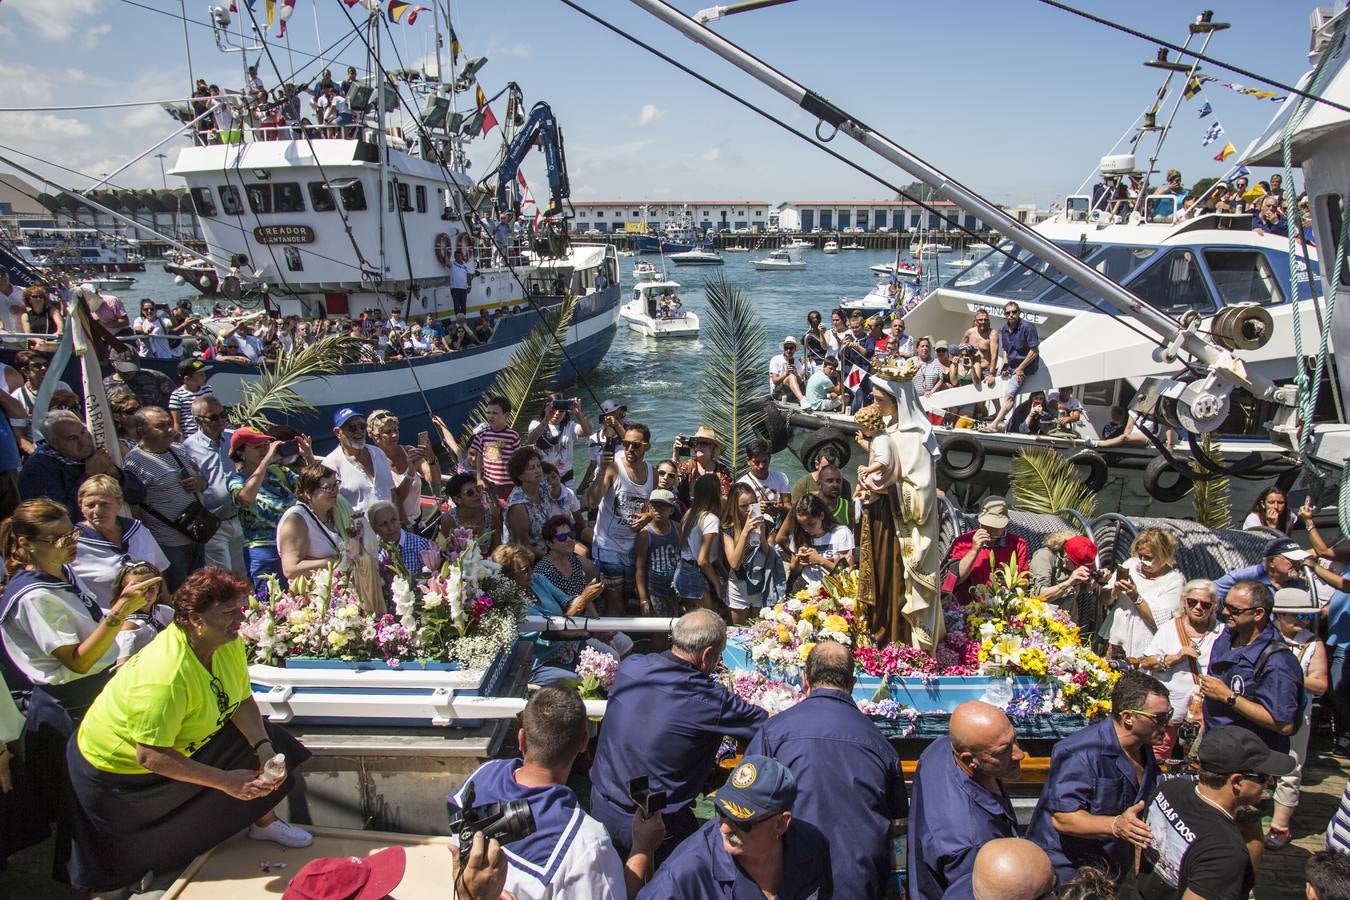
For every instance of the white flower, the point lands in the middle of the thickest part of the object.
(805, 630)
(404, 601)
(987, 630)
(432, 600)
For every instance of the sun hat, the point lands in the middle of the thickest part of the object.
(1080, 550)
(758, 788)
(247, 437)
(349, 878)
(789, 340)
(1294, 600)
(994, 512)
(705, 433)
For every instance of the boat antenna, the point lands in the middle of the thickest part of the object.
(187, 49)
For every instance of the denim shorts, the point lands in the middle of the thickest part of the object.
(615, 570)
(690, 582)
(1014, 385)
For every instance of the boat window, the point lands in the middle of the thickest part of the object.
(229, 200)
(1175, 285)
(321, 197)
(1335, 214)
(1116, 263)
(1243, 276)
(202, 203)
(287, 197)
(404, 200)
(259, 198)
(421, 198)
(1028, 280)
(1162, 208)
(353, 197)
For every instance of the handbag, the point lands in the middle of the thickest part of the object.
(196, 523)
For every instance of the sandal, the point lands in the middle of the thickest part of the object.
(1276, 838)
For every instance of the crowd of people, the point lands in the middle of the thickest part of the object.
(1265, 202)
(254, 113)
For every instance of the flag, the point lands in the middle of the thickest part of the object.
(1213, 134)
(454, 43)
(1227, 151)
(271, 7)
(1206, 110)
(97, 412)
(351, 2)
(489, 120)
(1192, 88)
(287, 7)
(1239, 172)
(412, 14)
(234, 5)
(396, 10)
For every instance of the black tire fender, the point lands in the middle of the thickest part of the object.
(774, 429)
(822, 438)
(1098, 471)
(961, 443)
(1155, 475)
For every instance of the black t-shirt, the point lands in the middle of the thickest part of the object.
(1195, 847)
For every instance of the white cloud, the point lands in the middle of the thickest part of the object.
(713, 154)
(43, 127)
(54, 23)
(91, 36)
(650, 113)
(518, 50)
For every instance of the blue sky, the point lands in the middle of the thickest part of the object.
(1011, 97)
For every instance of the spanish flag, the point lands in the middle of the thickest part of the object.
(454, 45)
(1227, 151)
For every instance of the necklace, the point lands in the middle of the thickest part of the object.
(1225, 812)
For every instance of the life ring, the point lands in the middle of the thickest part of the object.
(1098, 473)
(961, 443)
(443, 249)
(464, 244)
(1166, 493)
(821, 439)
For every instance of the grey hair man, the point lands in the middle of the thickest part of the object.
(209, 447)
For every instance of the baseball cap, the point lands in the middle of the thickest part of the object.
(246, 437)
(661, 495)
(192, 367)
(348, 878)
(1230, 750)
(994, 512)
(1294, 600)
(942, 345)
(789, 340)
(1287, 548)
(342, 415)
(608, 407)
(1080, 550)
(758, 788)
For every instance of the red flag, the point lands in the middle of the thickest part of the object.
(489, 120)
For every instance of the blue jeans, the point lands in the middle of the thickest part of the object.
(551, 675)
(263, 561)
(1339, 694)
(690, 583)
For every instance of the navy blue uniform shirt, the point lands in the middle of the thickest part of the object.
(1090, 771)
(849, 784)
(665, 719)
(1279, 690)
(701, 869)
(952, 816)
(1018, 344)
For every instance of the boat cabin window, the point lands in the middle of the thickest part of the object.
(321, 197)
(229, 200)
(1335, 213)
(1160, 209)
(1243, 276)
(353, 197)
(287, 197)
(421, 198)
(404, 200)
(202, 203)
(1076, 208)
(1175, 285)
(1030, 280)
(1116, 263)
(259, 198)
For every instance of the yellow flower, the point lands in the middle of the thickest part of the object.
(805, 651)
(784, 635)
(836, 624)
(810, 610)
(337, 639)
(1033, 661)
(348, 612)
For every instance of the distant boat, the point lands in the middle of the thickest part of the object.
(780, 261)
(645, 271)
(904, 268)
(656, 311)
(736, 249)
(830, 247)
(799, 244)
(697, 258)
(853, 245)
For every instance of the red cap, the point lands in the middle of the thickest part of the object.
(1080, 550)
(245, 437)
(348, 878)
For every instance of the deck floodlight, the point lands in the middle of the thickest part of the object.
(1162, 62)
(220, 17)
(1205, 24)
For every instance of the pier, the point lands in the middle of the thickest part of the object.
(875, 240)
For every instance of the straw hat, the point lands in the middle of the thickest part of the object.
(705, 433)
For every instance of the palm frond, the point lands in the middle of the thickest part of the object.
(276, 389)
(733, 339)
(1211, 499)
(1045, 482)
(528, 376)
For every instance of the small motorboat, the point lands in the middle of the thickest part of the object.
(930, 249)
(736, 249)
(656, 310)
(645, 271)
(697, 257)
(780, 261)
(853, 245)
(798, 244)
(904, 269)
(964, 262)
(830, 247)
(112, 282)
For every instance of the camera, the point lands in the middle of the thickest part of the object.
(683, 449)
(562, 405)
(503, 822)
(1101, 576)
(644, 798)
(289, 448)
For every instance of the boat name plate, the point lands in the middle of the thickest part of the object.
(283, 234)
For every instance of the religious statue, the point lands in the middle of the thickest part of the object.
(899, 553)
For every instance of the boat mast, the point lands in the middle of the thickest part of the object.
(1203, 24)
(377, 74)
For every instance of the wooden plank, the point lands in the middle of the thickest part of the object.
(1034, 769)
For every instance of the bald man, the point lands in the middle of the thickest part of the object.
(1012, 869)
(849, 783)
(958, 802)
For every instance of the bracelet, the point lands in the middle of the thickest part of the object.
(259, 743)
(114, 621)
(1114, 822)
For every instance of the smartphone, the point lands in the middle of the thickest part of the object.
(1123, 574)
(611, 444)
(562, 405)
(424, 439)
(756, 510)
(289, 448)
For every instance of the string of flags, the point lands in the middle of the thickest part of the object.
(272, 12)
(397, 11)
(1215, 130)
(1197, 81)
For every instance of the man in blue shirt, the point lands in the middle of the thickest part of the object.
(1278, 568)
(665, 720)
(1099, 781)
(1019, 356)
(754, 848)
(849, 783)
(209, 446)
(1254, 680)
(959, 800)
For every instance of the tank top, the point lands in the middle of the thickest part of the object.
(623, 502)
(324, 543)
(663, 552)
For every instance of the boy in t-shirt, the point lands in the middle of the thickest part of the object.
(492, 448)
(193, 373)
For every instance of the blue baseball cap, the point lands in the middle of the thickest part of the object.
(758, 788)
(342, 415)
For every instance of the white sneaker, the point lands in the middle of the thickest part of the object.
(283, 833)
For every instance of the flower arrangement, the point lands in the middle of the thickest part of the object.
(464, 613)
(784, 633)
(760, 690)
(597, 670)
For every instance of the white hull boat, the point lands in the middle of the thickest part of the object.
(798, 245)
(853, 246)
(697, 258)
(656, 311)
(907, 270)
(830, 247)
(645, 271)
(780, 261)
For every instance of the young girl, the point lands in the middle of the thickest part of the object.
(697, 581)
(656, 552)
(818, 545)
(756, 571)
(141, 627)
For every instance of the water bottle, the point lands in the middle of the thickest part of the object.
(275, 769)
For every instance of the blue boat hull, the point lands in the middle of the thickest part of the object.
(650, 243)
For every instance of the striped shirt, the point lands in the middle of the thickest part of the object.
(180, 402)
(1338, 829)
(494, 449)
(160, 474)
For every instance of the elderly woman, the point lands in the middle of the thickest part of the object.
(263, 490)
(415, 468)
(1179, 654)
(706, 449)
(1061, 572)
(308, 536)
(58, 638)
(1146, 593)
(173, 757)
(529, 505)
(470, 511)
(107, 540)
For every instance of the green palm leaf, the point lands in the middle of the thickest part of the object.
(1045, 482)
(1210, 499)
(529, 375)
(276, 389)
(733, 339)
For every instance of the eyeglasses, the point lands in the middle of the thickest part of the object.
(703, 443)
(1012, 312)
(1237, 610)
(1199, 604)
(61, 540)
(562, 536)
(634, 445)
(213, 417)
(330, 487)
(1161, 718)
(742, 827)
(1258, 777)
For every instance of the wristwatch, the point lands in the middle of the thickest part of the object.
(1232, 700)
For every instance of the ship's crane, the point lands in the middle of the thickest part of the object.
(542, 128)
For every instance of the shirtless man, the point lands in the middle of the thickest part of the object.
(985, 341)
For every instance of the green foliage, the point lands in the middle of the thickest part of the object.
(276, 389)
(528, 377)
(1198, 189)
(733, 339)
(1045, 482)
(1210, 499)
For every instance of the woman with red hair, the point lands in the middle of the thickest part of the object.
(174, 756)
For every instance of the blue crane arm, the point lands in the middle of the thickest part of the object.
(541, 127)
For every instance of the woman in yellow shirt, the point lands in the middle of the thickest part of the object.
(172, 757)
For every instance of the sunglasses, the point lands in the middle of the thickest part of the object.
(1012, 312)
(213, 417)
(358, 428)
(1236, 610)
(562, 536)
(742, 827)
(634, 445)
(1258, 777)
(1161, 718)
(61, 540)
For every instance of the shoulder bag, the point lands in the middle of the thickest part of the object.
(196, 523)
